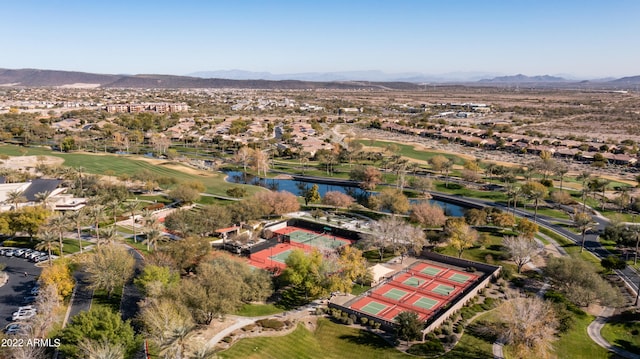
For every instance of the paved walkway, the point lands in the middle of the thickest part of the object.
(594, 333)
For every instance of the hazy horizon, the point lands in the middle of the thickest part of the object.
(580, 40)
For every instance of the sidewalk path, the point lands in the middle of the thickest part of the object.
(594, 333)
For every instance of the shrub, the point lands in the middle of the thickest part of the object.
(227, 339)
(547, 183)
(364, 320)
(154, 207)
(319, 311)
(270, 324)
(353, 318)
(248, 328)
(470, 269)
(376, 325)
(236, 192)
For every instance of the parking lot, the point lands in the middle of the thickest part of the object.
(17, 287)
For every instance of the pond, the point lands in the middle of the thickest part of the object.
(297, 187)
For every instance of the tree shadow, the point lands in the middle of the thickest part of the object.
(628, 346)
(366, 338)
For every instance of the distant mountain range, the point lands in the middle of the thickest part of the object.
(371, 75)
(313, 80)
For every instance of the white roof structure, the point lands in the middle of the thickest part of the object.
(379, 271)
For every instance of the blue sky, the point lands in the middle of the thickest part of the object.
(581, 38)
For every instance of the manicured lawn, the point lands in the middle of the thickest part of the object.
(358, 289)
(472, 346)
(100, 299)
(466, 192)
(119, 165)
(155, 198)
(491, 246)
(549, 212)
(330, 340)
(410, 152)
(258, 310)
(138, 245)
(576, 344)
(70, 245)
(573, 249)
(625, 334)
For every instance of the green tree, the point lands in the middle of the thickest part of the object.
(409, 326)
(68, 144)
(461, 235)
(188, 253)
(580, 283)
(392, 200)
(311, 194)
(28, 219)
(155, 280)
(353, 268)
(527, 228)
(109, 267)
(613, 262)
(99, 324)
(184, 194)
(221, 286)
(306, 274)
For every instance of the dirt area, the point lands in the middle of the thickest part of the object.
(29, 162)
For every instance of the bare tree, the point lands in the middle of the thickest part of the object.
(103, 349)
(395, 234)
(427, 214)
(521, 249)
(530, 325)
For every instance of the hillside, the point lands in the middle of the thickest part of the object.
(54, 78)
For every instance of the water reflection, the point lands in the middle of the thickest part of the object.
(298, 187)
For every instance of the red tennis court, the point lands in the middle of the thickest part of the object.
(421, 288)
(290, 238)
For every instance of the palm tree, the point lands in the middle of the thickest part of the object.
(153, 235)
(536, 192)
(585, 178)
(113, 204)
(176, 344)
(43, 198)
(47, 239)
(561, 170)
(446, 167)
(132, 207)
(78, 171)
(583, 222)
(78, 218)
(96, 213)
(109, 236)
(14, 197)
(59, 224)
